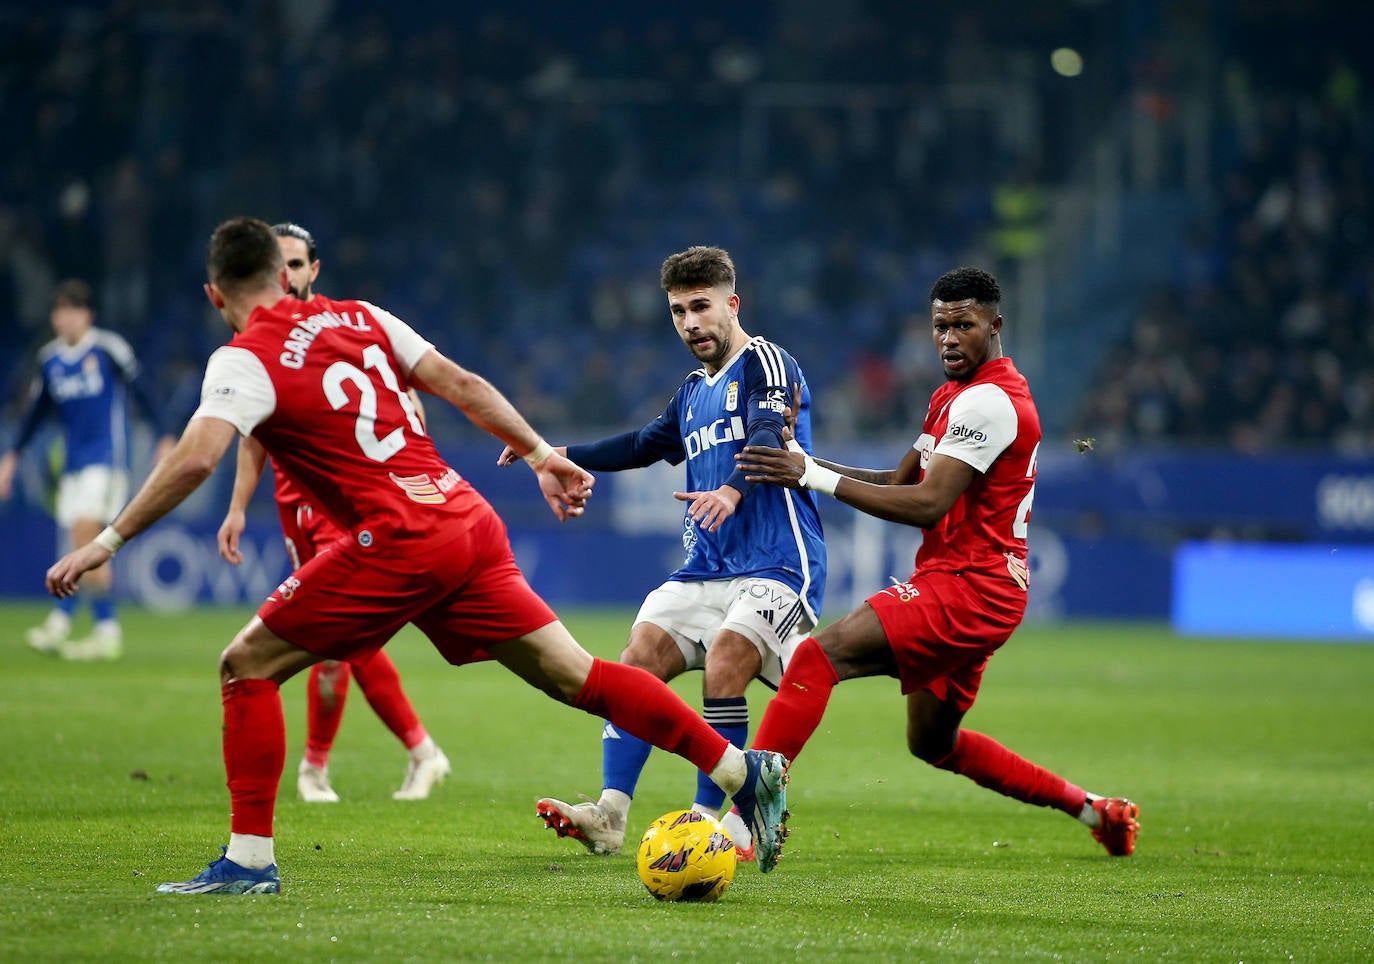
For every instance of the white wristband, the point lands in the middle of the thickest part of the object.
(818, 478)
(109, 540)
(794, 446)
(536, 456)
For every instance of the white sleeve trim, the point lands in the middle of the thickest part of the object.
(236, 389)
(982, 423)
(119, 351)
(406, 343)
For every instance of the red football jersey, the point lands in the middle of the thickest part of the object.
(991, 423)
(284, 491)
(322, 385)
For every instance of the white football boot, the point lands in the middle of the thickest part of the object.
(312, 784)
(49, 636)
(592, 825)
(106, 642)
(421, 775)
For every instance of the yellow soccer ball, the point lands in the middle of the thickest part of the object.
(686, 855)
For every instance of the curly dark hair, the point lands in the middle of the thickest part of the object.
(962, 283)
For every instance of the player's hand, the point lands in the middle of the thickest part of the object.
(228, 537)
(566, 485)
(67, 571)
(710, 509)
(508, 456)
(778, 466)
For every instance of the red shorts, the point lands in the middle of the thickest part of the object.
(306, 531)
(943, 626)
(346, 602)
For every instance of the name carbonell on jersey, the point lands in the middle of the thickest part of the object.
(302, 336)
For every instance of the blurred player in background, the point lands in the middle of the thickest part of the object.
(968, 482)
(308, 533)
(86, 378)
(325, 395)
(750, 588)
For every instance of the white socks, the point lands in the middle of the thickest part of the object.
(730, 773)
(250, 851)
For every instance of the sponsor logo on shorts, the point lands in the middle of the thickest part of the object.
(904, 591)
(288, 588)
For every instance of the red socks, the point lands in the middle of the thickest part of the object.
(326, 691)
(254, 752)
(795, 712)
(989, 764)
(381, 686)
(642, 705)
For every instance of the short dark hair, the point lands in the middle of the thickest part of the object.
(962, 283)
(72, 293)
(243, 254)
(290, 229)
(697, 267)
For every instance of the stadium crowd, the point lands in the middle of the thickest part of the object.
(1263, 339)
(512, 181)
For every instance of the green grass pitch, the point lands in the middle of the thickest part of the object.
(1253, 763)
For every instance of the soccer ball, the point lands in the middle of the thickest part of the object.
(686, 855)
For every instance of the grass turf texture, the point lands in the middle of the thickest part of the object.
(1252, 761)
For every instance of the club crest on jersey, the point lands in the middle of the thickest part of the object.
(718, 432)
(732, 396)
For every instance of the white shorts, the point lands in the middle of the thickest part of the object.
(765, 611)
(96, 492)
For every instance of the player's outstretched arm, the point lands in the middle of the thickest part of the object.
(566, 485)
(911, 503)
(174, 478)
(248, 468)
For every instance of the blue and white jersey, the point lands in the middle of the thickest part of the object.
(87, 386)
(775, 533)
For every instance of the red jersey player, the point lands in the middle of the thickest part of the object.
(307, 533)
(968, 483)
(322, 385)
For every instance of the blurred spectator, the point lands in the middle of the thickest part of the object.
(519, 166)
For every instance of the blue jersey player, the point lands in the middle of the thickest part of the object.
(85, 378)
(750, 585)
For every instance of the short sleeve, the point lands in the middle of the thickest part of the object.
(982, 423)
(236, 389)
(120, 353)
(406, 343)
